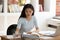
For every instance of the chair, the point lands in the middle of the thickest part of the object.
(11, 29)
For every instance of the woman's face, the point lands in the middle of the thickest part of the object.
(28, 12)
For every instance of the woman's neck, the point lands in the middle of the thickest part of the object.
(28, 18)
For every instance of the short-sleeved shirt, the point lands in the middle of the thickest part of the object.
(24, 25)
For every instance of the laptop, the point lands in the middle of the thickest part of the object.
(53, 34)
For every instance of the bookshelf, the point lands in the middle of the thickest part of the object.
(1, 6)
(57, 7)
(42, 3)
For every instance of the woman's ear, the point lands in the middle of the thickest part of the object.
(32, 11)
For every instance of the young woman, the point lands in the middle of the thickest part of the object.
(27, 21)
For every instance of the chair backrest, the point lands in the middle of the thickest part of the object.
(11, 29)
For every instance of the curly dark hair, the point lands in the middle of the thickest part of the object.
(23, 11)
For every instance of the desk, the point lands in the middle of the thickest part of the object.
(50, 38)
(45, 38)
(41, 38)
(10, 37)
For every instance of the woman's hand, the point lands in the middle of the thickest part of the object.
(29, 32)
(16, 34)
(37, 29)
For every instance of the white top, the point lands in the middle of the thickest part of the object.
(24, 25)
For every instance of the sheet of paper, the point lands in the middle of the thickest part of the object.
(47, 32)
(45, 37)
(30, 35)
(11, 37)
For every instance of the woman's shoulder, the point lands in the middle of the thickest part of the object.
(21, 19)
(33, 17)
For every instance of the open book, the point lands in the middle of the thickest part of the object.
(39, 34)
(32, 35)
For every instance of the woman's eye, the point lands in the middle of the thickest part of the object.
(30, 11)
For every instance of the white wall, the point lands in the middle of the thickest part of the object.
(42, 17)
(47, 5)
(2, 25)
(35, 4)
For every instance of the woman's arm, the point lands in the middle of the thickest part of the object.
(36, 25)
(17, 31)
(37, 29)
(18, 28)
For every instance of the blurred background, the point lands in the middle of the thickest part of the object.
(45, 11)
